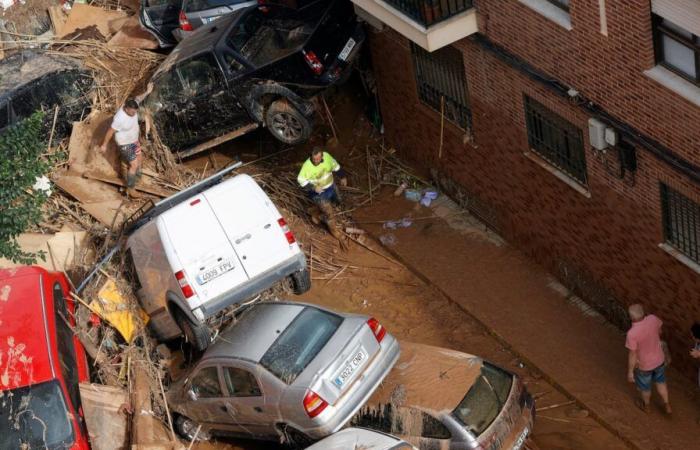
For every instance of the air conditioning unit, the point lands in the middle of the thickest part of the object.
(600, 135)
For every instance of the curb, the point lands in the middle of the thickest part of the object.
(501, 340)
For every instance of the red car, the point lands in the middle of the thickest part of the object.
(41, 363)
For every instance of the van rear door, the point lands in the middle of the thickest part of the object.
(204, 251)
(250, 220)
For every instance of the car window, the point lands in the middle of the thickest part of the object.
(240, 383)
(35, 417)
(206, 383)
(201, 5)
(299, 343)
(199, 75)
(485, 399)
(66, 346)
(234, 65)
(263, 37)
(166, 88)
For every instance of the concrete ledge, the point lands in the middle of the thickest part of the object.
(550, 11)
(578, 187)
(680, 256)
(676, 83)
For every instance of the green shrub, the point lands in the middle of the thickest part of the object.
(21, 162)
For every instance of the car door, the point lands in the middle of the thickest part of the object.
(161, 17)
(208, 406)
(250, 414)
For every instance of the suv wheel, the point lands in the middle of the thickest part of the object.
(301, 281)
(286, 123)
(196, 334)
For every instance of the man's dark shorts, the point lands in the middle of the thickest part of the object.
(129, 152)
(644, 378)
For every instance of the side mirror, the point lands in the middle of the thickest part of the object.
(192, 395)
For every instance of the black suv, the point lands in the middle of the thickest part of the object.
(257, 66)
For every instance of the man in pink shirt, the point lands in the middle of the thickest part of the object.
(645, 363)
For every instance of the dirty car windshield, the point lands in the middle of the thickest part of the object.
(299, 344)
(485, 399)
(263, 37)
(35, 417)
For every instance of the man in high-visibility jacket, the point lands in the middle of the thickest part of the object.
(317, 178)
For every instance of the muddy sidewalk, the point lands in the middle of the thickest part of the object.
(540, 320)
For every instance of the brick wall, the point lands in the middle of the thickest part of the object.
(604, 244)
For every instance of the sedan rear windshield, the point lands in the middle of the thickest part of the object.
(485, 399)
(35, 417)
(201, 5)
(266, 34)
(299, 344)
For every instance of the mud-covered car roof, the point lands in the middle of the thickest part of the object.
(22, 68)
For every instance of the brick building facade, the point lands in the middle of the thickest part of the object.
(589, 216)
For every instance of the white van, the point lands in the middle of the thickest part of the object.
(207, 249)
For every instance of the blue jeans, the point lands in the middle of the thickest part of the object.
(644, 378)
(330, 194)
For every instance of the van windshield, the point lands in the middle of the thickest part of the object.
(485, 399)
(35, 417)
(299, 344)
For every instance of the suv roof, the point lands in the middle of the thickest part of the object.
(24, 346)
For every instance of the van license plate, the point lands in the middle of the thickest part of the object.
(216, 271)
(521, 439)
(355, 363)
(347, 49)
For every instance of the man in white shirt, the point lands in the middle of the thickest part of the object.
(126, 131)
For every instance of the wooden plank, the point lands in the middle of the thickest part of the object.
(216, 141)
(95, 175)
(105, 422)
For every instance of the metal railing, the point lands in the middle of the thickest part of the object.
(430, 12)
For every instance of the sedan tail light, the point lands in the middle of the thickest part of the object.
(285, 229)
(377, 328)
(313, 404)
(313, 61)
(184, 285)
(185, 24)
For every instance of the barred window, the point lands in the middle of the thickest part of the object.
(681, 222)
(442, 84)
(555, 139)
(677, 49)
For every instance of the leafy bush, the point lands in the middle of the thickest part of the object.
(21, 162)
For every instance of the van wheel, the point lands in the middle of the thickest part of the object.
(187, 428)
(286, 123)
(301, 281)
(196, 334)
(295, 439)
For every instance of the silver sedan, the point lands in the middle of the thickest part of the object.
(361, 439)
(284, 371)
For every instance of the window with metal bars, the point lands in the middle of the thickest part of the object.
(563, 4)
(681, 222)
(677, 49)
(555, 139)
(442, 84)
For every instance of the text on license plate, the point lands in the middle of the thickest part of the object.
(347, 49)
(216, 271)
(356, 362)
(521, 439)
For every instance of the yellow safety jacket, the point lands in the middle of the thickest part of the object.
(320, 175)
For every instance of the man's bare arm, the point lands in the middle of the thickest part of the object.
(631, 364)
(108, 137)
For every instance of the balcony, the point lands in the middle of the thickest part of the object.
(432, 24)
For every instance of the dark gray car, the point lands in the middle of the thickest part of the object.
(287, 371)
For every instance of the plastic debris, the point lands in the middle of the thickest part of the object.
(43, 184)
(394, 224)
(112, 307)
(413, 195)
(399, 190)
(387, 239)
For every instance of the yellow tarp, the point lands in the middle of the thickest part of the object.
(112, 307)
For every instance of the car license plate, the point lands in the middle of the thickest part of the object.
(347, 49)
(355, 363)
(216, 271)
(521, 439)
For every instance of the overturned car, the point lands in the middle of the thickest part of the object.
(260, 66)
